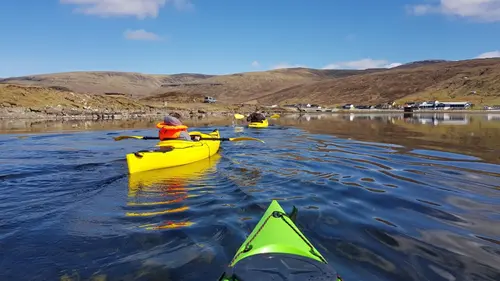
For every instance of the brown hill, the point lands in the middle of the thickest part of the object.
(17, 101)
(37, 98)
(246, 87)
(474, 80)
(234, 88)
(100, 82)
(438, 80)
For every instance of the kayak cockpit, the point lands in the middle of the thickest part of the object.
(286, 266)
(277, 250)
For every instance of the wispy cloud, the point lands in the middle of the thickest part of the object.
(287, 65)
(362, 64)
(255, 63)
(141, 34)
(487, 55)
(483, 10)
(136, 8)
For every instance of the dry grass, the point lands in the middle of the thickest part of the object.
(416, 81)
(39, 97)
(233, 88)
(478, 84)
(401, 83)
(132, 84)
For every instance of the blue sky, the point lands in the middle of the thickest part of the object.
(221, 37)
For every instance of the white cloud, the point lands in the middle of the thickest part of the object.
(255, 63)
(362, 64)
(487, 55)
(419, 10)
(138, 8)
(484, 10)
(286, 65)
(141, 34)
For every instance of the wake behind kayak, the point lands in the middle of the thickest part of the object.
(277, 250)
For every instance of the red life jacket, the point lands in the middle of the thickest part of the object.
(170, 132)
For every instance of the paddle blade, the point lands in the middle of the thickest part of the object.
(246, 139)
(135, 137)
(239, 116)
(275, 116)
(119, 138)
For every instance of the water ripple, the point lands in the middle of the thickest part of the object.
(376, 211)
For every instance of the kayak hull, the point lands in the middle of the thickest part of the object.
(155, 180)
(176, 153)
(263, 124)
(277, 248)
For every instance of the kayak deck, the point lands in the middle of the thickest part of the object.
(263, 124)
(263, 238)
(277, 250)
(179, 152)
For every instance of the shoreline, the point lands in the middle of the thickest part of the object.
(148, 121)
(21, 113)
(396, 111)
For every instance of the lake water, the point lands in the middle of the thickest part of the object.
(383, 197)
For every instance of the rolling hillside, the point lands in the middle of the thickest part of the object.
(233, 88)
(474, 80)
(97, 82)
(440, 80)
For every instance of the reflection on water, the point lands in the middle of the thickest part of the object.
(164, 191)
(437, 119)
(463, 133)
(383, 197)
(37, 126)
(493, 117)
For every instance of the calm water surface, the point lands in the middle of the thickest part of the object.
(383, 197)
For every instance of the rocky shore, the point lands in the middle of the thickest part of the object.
(31, 102)
(55, 113)
(22, 102)
(61, 113)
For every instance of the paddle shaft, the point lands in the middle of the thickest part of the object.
(241, 116)
(215, 139)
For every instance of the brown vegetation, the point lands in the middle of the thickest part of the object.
(473, 80)
(41, 97)
(446, 80)
(39, 102)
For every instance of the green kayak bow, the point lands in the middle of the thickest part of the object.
(277, 250)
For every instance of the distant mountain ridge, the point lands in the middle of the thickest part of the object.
(421, 63)
(323, 86)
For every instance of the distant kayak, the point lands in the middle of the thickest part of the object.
(277, 250)
(263, 124)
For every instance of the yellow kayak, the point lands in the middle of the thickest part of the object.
(178, 152)
(264, 124)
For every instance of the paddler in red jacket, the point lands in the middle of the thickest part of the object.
(172, 128)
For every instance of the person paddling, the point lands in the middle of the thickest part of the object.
(172, 128)
(256, 117)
